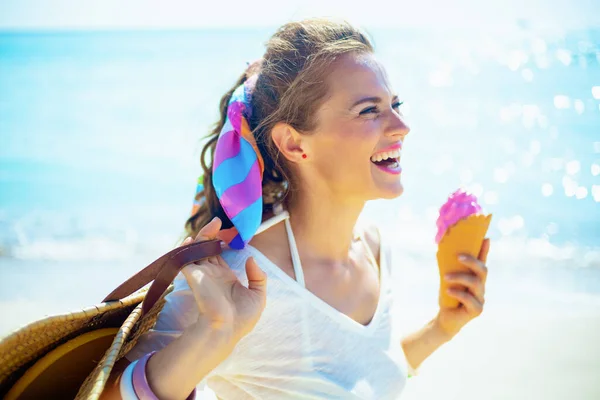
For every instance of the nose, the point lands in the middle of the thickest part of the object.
(396, 126)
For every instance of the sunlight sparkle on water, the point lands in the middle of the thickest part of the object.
(596, 92)
(527, 159)
(516, 59)
(581, 192)
(596, 193)
(573, 167)
(547, 189)
(564, 56)
(562, 102)
(538, 46)
(595, 169)
(509, 113)
(569, 185)
(527, 75)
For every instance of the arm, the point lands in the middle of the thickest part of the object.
(469, 289)
(227, 312)
(419, 345)
(174, 371)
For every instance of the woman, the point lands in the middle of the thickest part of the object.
(317, 122)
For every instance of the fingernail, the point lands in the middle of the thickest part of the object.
(462, 257)
(448, 276)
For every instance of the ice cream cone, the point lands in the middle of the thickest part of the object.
(464, 237)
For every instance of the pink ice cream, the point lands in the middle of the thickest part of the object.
(459, 205)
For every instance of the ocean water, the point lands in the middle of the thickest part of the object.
(100, 134)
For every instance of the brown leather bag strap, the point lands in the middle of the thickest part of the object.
(163, 271)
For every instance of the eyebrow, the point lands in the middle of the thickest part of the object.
(373, 99)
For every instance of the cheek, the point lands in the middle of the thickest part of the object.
(351, 145)
(360, 139)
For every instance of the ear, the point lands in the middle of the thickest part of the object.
(289, 142)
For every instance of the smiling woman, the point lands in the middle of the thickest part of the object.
(308, 134)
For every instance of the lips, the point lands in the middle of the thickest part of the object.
(383, 156)
(391, 153)
(388, 159)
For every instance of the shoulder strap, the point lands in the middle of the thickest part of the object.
(298, 272)
(163, 271)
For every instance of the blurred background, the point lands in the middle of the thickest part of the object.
(103, 106)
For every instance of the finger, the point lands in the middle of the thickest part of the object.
(471, 282)
(189, 270)
(476, 266)
(209, 231)
(187, 240)
(257, 279)
(473, 306)
(485, 249)
(221, 262)
(218, 261)
(201, 267)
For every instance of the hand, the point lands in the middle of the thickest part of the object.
(469, 289)
(220, 296)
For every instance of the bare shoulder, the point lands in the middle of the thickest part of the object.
(370, 233)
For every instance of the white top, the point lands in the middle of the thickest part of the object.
(301, 348)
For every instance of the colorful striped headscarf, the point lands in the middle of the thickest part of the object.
(237, 169)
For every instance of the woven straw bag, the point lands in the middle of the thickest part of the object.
(72, 355)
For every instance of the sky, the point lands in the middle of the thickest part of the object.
(181, 14)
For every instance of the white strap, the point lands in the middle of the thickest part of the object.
(277, 218)
(295, 255)
(281, 215)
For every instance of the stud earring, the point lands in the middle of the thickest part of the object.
(304, 156)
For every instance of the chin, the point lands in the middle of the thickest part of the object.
(391, 191)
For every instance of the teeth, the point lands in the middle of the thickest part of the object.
(385, 155)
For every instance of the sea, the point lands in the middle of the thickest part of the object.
(101, 131)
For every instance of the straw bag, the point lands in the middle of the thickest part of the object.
(71, 355)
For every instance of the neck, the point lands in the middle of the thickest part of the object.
(324, 227)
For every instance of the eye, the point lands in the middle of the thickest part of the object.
(396, 106)
(369, 110)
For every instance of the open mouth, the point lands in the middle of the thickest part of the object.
(387, 159)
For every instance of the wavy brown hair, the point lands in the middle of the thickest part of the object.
(290, 87)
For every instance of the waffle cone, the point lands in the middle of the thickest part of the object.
(466, 236)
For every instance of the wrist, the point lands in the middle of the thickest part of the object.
(204, 334)
(175, 370)
(439, 331)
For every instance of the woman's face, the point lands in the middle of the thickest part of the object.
(356, 147)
